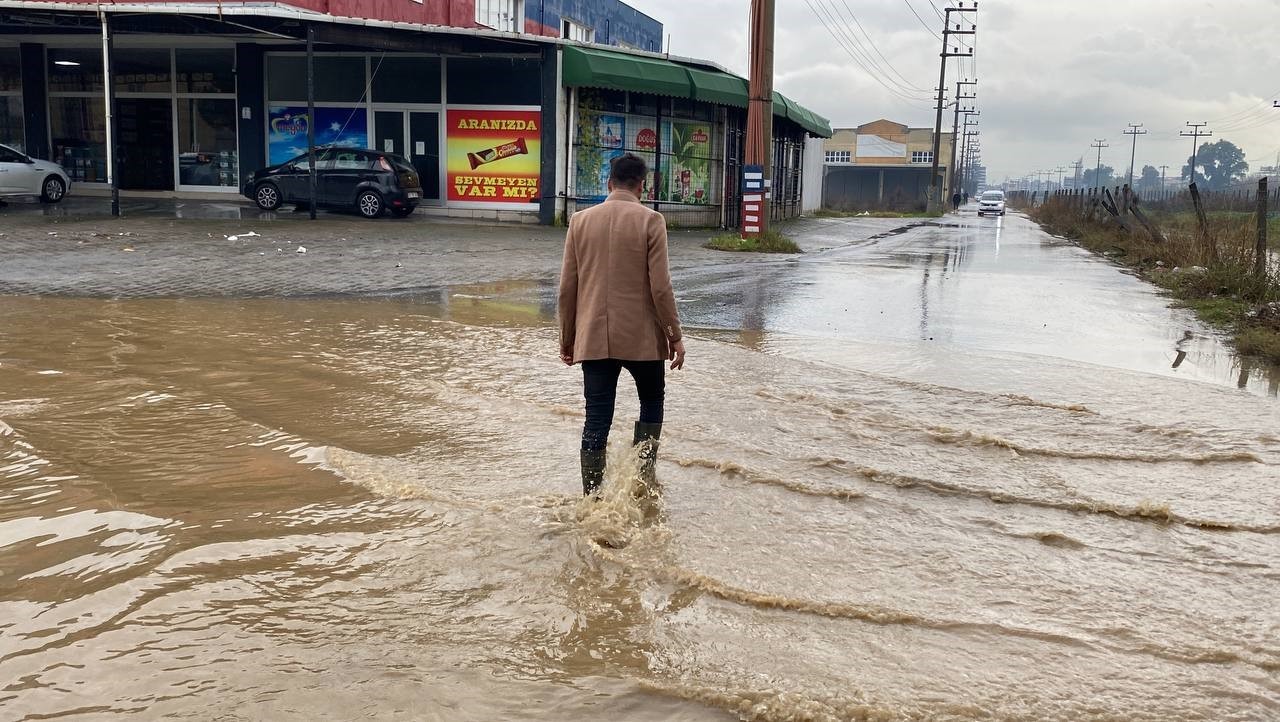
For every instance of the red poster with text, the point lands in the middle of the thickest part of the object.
(494, 156)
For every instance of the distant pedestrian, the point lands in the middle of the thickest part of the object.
(617, 310)
(955, 201)
(965, 200)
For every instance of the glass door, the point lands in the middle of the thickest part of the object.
(388, 131)
(424, 151)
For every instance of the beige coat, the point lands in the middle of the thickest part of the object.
(615, 288)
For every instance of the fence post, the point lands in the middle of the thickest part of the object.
(1260, 253)
(1206, 240)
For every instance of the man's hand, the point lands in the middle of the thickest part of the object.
(676, 355)
(566, 357)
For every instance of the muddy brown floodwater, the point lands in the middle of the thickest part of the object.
(366, 508)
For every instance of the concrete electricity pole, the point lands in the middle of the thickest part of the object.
(1061, 170)
(1163, 168)
(955, 128)
(1135, 129)
(1195, 135)
(935, 183)
(1099, 143)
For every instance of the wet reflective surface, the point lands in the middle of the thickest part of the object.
(346, 508)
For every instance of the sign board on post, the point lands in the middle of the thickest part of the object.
(753, 197)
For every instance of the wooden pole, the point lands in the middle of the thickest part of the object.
(1260, 252)
(759, 139)
(1206, 239)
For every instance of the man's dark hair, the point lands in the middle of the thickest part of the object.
(628, 170)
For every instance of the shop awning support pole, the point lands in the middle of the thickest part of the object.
(109, 88)
(311, 118)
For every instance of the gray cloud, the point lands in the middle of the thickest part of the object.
(1054, 76)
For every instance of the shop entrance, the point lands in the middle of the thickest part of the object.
(146, 143)
(414, 134)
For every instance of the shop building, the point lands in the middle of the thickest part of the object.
(882, 165)
(204, 94)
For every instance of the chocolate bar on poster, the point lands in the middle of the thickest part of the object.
(506, 150)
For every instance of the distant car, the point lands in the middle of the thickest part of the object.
(366, 181)
(22, 175)
(991, 202)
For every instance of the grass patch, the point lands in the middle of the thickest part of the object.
(1259, 341)
(1218, 311)
(771, 241)
(826, 213)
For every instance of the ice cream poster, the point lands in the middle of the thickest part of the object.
(494, 156)
(339, 127)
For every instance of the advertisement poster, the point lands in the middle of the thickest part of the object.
(494, 156)
(599, 142)
(287, 130)
(689, 178)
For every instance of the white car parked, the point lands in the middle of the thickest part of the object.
(991, 202)
(22, 175)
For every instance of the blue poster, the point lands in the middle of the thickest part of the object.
(338, 127)
(599, 143)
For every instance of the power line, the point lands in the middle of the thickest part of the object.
(872, 43)
(862, 58)
(922, 22)
(827, 21)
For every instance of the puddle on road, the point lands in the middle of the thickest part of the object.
(225, 507)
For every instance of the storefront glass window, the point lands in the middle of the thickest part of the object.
(10, 70)
(78, 128)
(495, 81)
(207, 142)
(339, 79)
(206, 70)
(75, 70)
(141, 70)
(11, 129)
(406, 80)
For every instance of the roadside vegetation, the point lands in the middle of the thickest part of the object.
(1217, 279)
(771, 241)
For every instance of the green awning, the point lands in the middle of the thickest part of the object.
(584, 67)
(601, 69)
(718, 88)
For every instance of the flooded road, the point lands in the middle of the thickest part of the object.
(366, 507)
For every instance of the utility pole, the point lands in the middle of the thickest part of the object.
(1079, 166)
(970, 120)
(1061, 170)
(1163, 168)
(760, 112)
(1195, 135)
(935, 193)
(1135, 129)
(1099, 143)
(955, 128)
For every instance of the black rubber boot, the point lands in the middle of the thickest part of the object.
(592, 471)
(646, 437)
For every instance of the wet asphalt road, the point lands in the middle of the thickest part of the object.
(904, 296)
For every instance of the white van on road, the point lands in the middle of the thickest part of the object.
(991, 202)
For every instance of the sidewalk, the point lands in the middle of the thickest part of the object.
(170, 248)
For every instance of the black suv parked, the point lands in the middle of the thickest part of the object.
(346, 178)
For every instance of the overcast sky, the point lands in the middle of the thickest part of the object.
(1054, 75)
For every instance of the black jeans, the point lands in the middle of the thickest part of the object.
(600, 387)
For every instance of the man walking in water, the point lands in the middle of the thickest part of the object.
(617, 310)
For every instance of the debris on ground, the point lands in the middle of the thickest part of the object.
(301, 249)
